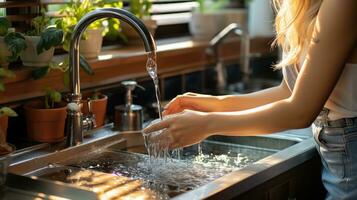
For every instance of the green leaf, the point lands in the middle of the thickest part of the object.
(76, 9)
(39, 24)
(16, 44)
(40, 72)
(95, 95)
(66, 79)
(2, 87)
(49, 38)
(56, 97)
(85, 65)
(4, 26)
(6, 111)
(6, 73)
(52, 97)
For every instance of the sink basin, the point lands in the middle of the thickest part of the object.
(104, 164)
(266, 143)
(253, 85)
(104, 185)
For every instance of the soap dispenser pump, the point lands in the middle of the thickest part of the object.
(129, 117)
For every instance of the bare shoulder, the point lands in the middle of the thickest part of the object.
(334, 39)
(332, 13)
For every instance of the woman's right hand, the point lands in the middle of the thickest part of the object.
(192, 101)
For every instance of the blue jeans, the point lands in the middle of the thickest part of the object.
(336, 142)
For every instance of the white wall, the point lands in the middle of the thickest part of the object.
(261, 18)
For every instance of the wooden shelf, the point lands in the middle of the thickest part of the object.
(117, 64)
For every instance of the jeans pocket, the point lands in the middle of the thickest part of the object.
(332, 149)
(351, 150)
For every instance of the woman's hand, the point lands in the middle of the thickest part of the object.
(192, 101)
(183, 129)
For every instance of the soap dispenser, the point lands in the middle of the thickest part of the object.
(129, 117)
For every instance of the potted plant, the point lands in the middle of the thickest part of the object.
(91, 43)
(45, 119)
(4, 51)
(219, 13)
(141, 9)
(40, 42)
(99, 106)
(5, 112)
(11, 43)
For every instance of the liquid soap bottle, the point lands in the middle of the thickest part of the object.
(129, 117)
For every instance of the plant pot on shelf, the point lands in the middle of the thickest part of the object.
(236, 15)
(4, 53)
(30, 57)
(99, 108)
(91, 46)
(203, 26)
(3, 126)
(201, 30)
(45, 125)
(132, 35)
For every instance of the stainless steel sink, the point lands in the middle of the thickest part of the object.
(104, 150)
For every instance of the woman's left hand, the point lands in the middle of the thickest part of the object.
(185, 128)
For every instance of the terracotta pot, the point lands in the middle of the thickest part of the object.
(4, 53)
(45, 125)
(91, 47)
(133, 36)
(30, 57)
(3, 126)
(99, 108)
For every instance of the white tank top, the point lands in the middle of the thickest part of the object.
(342, 102)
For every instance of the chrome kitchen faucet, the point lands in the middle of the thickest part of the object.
(74, 129)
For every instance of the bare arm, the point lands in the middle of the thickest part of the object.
(255, 99)
(336, 33)
(208, 103)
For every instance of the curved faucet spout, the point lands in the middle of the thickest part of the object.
(74, 115)
(120, 14)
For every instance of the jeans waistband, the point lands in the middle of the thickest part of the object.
(323, 121)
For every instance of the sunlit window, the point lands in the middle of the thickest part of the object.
(2, 10)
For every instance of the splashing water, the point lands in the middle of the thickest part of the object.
(173, 171)
(155, 149)
(170, 177)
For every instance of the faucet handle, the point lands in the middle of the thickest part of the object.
(90, 108)
(89, 121)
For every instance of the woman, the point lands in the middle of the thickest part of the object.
(319, 43)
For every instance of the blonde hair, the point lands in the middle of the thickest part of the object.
(294, 23)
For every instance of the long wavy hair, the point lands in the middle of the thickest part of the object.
(294, 25)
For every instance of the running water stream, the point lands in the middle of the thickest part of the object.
(151, 67)
(157, 149)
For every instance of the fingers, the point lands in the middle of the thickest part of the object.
(179, 103)
(180, 98)
(157, 126)
(191, 94)
(162, 140)
(173, 102)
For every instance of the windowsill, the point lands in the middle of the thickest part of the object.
(116, 64)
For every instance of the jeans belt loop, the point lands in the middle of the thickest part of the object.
(325, 121)
(349, 121)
